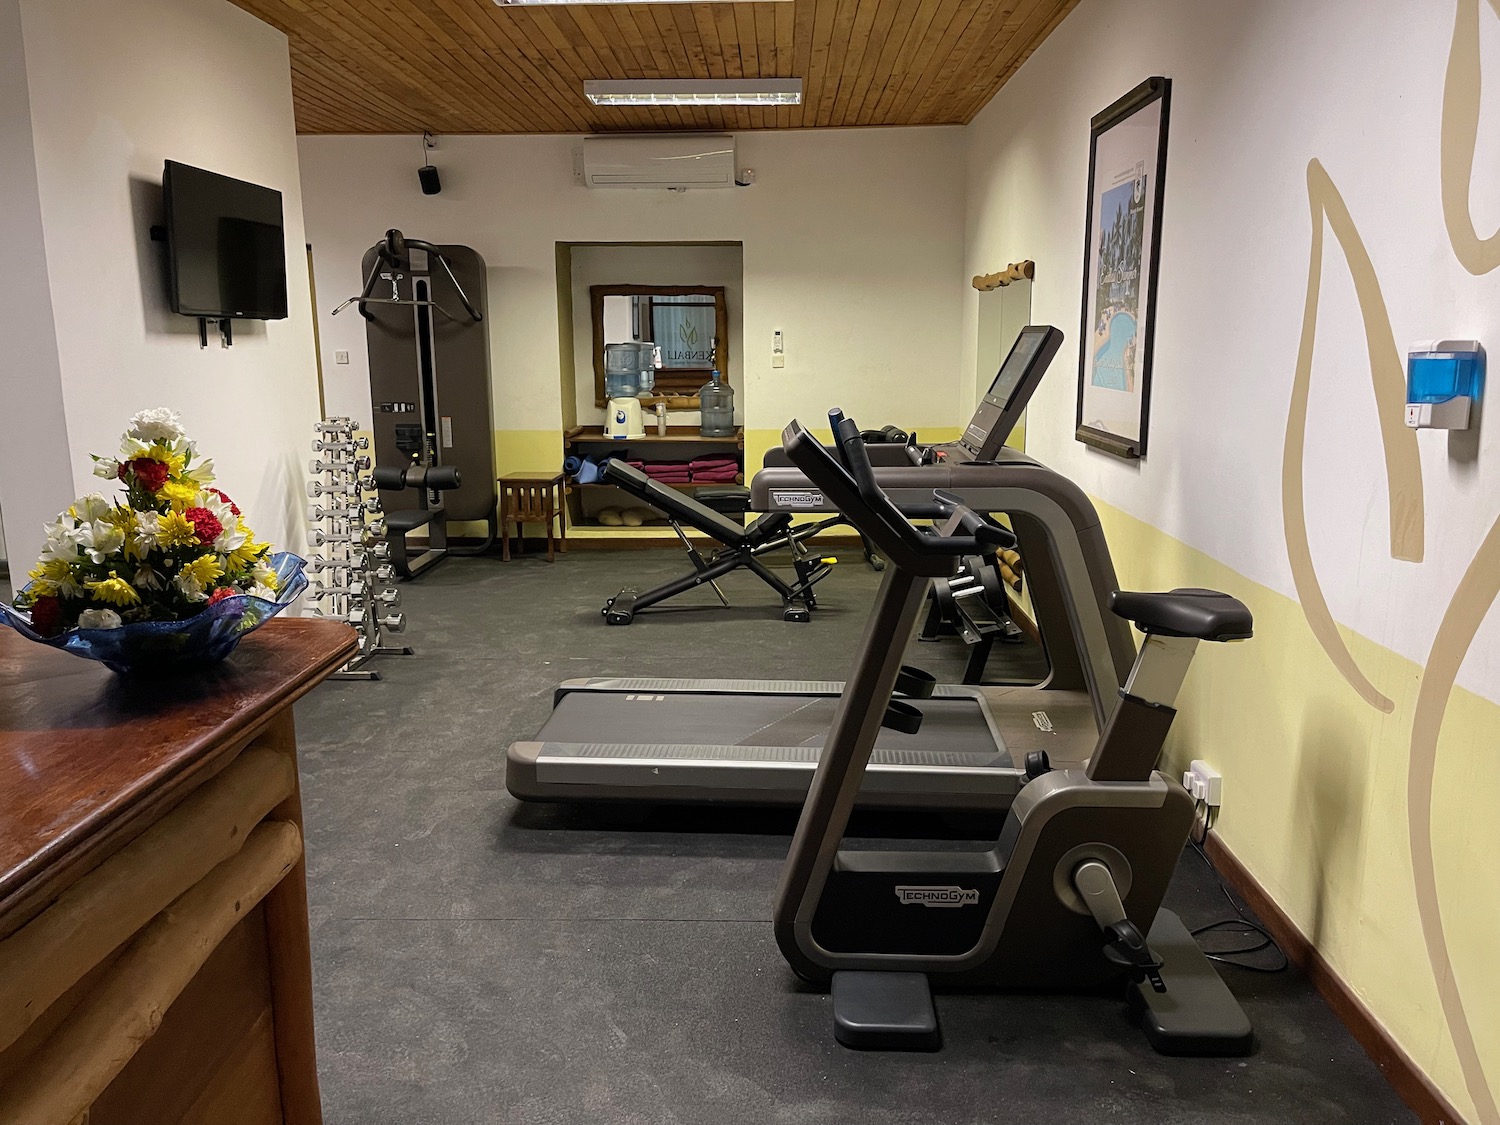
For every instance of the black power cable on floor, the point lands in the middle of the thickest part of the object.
(1241, 925)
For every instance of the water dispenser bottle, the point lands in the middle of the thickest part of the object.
(622, 371)
(716, 408)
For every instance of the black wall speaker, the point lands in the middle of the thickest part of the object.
(431, 185)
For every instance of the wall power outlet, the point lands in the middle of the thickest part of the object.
(1204, 783)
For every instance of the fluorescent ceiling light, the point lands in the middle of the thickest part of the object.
(516, 3)
(696, 91)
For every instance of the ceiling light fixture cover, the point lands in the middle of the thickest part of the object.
(695, 91)
(521, 3)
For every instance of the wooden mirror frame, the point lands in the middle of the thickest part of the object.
(674, 397)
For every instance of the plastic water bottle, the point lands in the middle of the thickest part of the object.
(716, 408)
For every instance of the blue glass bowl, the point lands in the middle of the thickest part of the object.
(162, 647)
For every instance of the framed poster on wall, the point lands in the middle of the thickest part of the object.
(1122, 241)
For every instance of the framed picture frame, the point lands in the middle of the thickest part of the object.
(1121, 254)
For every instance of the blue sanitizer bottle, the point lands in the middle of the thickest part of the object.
(1443, 380)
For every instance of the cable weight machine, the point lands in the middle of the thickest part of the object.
(430, 390)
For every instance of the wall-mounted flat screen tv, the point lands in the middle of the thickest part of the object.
(225, 245)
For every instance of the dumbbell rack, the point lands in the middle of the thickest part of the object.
(352, 560)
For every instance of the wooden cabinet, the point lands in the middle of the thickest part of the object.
(155, 963)
(681, 443)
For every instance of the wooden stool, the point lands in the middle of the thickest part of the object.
(532, 498)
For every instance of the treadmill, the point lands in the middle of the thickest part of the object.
(692, 741)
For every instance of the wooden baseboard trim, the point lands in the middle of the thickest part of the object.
(1405, 1077)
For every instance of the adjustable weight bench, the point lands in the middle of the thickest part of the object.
(740, 547)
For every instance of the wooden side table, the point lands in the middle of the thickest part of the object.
(532, 498)
(154, 951)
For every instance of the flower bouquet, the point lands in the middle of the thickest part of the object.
(168, 578)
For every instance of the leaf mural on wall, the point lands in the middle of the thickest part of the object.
(1460, 135)
(1470, 605)
(1403, 467)
(1479, 587)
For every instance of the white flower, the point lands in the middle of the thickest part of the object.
(107, 468)
(160, 424)
(146, 578)
(217, 505)
(189, 586)
(261, 574)
(100, 539)
(90, 508)
(265, 593)
(130, 449)
(147, 530)
(202, 472)
(62, 540)
(98, 619)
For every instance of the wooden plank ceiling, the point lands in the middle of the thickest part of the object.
(470, 66)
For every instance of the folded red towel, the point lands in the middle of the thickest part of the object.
(714, 463)
(726, 476)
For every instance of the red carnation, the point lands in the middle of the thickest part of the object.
(150, 474)
(232, 506)
(46, 615)
(221, 593)
(205, 523)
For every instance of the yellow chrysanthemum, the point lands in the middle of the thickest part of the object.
(247, 552)
(202, 570)
(175, 530)
(166, 455)
(114, 590)
(53, 577)
(122, 517)
(179, 493)
(42, 587)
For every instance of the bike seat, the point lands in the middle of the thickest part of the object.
(1206, 614)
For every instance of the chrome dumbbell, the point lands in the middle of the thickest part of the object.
(340, 444)
(390, 598)
(381, 551)
(318, 565)
(316, 488)
(385, 573)
(338, 425)
(318, 512)
(318, 537)
(394, 622)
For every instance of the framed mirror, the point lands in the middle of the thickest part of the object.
(689, 324)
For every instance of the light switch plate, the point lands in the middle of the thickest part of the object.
(778, 361)
(341, 357)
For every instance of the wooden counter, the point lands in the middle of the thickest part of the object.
(154, 958)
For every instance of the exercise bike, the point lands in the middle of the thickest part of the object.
(1070, 895)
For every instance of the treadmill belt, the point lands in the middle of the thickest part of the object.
(761, 728)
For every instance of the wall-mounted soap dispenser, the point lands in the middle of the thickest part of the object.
(1444, 379)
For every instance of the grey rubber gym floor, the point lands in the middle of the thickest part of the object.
(477, 960)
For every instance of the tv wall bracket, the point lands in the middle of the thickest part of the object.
(226, 329)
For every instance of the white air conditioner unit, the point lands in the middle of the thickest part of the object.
(700, 160)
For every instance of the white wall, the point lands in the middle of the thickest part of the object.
(852, 247)
(655, 265)
(1258, 90)
(36, 479)
(115, 89)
